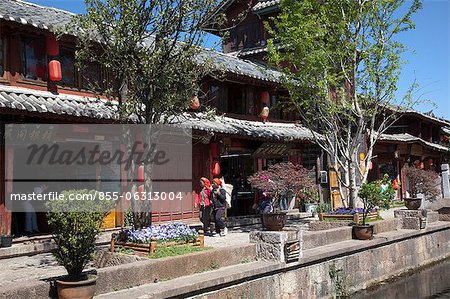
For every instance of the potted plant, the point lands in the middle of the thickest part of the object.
(423, 182)
(373, 196)
(311, 200)
(279, 184)
(75, 225)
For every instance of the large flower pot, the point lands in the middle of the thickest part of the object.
(363, 232)
(413, 203)
(81, 289)
(274, 221)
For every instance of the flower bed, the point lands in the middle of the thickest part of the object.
(149, 239)
(342, 214)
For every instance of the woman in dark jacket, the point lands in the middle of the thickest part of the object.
(220, 204)
(203, 201)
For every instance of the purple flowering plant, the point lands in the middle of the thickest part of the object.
(171, 232)
(283, 180)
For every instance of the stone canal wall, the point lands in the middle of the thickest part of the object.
(340, 270)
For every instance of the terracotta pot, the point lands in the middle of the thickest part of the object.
(413, 203)
(82, 289)
(274, 221)
(363, 232)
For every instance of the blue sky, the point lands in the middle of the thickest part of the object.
(428, 57)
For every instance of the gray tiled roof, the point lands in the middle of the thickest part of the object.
(32, 14)
(47, 17)
(408, 138)
(263, 4)
(30, 100)
(45, 102)
(246, 128)
(232, 64)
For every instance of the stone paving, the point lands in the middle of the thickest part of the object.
(43, 266)
(20, 269)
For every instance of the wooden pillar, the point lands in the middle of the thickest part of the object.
(6, 168)
(153, 242)
(201, 238)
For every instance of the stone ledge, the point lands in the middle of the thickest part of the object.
(214, 283)
(184, 285)
(274, 237)
(313, 239)
(409, 213)
(387, 225)
(127, 275)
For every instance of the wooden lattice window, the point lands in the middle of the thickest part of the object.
(34, 58)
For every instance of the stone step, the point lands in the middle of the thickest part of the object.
(194, 284)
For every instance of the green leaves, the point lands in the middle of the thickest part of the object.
(75, 225)
(342, 63)
(149, 48)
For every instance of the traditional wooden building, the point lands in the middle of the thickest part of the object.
(236, 138)
(416, 139)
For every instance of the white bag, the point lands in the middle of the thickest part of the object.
(228, 191)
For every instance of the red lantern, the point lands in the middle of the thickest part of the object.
(216, 168)
(370, 165)
(141, 175)
(430, 162)
(54, 70)
(195, 104)
(141, 191)
(52, 46)
(421, 165)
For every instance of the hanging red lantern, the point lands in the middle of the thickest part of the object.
(421, 165)
(52, 46)
(195, 103)
(430, 162)
(141, 175)
(216, 168)
(54, 70)
(141, 191)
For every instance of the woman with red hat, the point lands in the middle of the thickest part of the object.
(219, 199)
(204, 201)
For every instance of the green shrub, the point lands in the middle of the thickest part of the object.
(374, 195)
(75, 226)
(323, 208)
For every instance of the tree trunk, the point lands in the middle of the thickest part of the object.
(353, 189)
(143, 215)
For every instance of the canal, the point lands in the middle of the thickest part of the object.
(431, 282)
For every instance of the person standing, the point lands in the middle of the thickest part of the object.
(219, 199)
(203, 200)
(31, 226)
